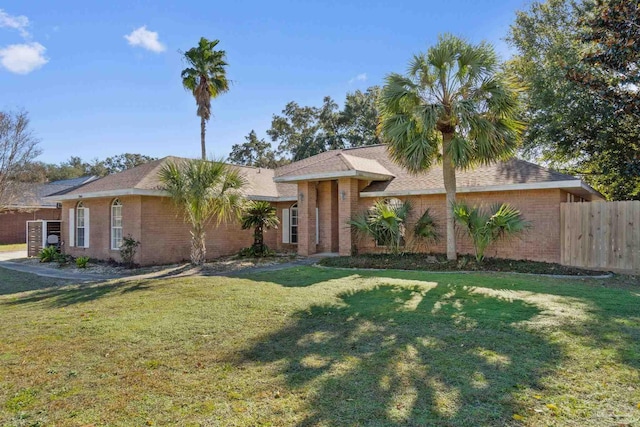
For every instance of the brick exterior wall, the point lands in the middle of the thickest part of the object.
(13, 224)
(540, 207)
(163, 235)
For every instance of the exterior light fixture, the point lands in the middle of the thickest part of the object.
(343, 195)
(301, 196)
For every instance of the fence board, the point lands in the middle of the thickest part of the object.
(601, 235)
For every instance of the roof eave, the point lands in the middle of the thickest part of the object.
(373, 176)
(574, 184)
(108, 193)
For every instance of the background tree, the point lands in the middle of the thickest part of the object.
(573, 126)
(203, 191)
(122, 162)
(260, 216)
(452, 107)
(302, 132)
(206, 78)
(18, 147)
(254, 152)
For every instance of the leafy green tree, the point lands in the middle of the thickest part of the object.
(254, 152)
(206, 78)
(453, 106)
(610, 54)
(485, 227)
(203, 191)
(384, 222)
(359, 118)
(260, 216)
(125, 161)
(573, 125)
(302, 132)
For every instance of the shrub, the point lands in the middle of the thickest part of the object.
(61, 258)
(48, 254)
(260, 216)
(425, 230)
(485, 227)
(82, 261)
(251, 252)
(385, 223)
(128, 250)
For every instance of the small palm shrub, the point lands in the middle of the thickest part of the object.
(260, 216)
(48, 254)
(128, 250)
(486, 226)
(385, 223)
(82, 261)
(425, 229)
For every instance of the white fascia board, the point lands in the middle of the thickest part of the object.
(29, 207)
(273, 199)
(332, 175)
(568, 185)
(108, 193)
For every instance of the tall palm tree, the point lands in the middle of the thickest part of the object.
(260, 216)
(452, 106)
(203, 191)
(206, 78)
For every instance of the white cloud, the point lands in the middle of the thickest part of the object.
(362, 77)
(19, 23)
(23, 58)
(145, 39)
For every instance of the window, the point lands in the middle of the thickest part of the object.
(116, 224)
(80, 225)
(294, 224)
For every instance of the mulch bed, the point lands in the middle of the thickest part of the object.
(439, 262)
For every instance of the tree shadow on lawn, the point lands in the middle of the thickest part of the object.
(427, 354)
(65, 296)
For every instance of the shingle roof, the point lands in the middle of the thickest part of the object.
(385, 176)
(32, 195)
(332, 164)
(145, 178)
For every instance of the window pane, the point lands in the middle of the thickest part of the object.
(80, 234)
(80, 217)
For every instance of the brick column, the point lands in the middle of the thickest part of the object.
(306, 218)
(347, 207)
(328, 211)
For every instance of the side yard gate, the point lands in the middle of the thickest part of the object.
(603, 235)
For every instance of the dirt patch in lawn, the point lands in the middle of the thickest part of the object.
(220, 265)
(439, 262)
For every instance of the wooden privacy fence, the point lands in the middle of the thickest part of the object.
(600, 235)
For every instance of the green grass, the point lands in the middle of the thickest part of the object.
(323, 347)
(13, 247)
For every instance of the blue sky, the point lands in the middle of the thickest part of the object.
(93, 93)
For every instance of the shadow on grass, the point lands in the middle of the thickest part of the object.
(410, 355)
(68, 295)
(295, 277)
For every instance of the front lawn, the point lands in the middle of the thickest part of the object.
(323, 347)
(13, 247)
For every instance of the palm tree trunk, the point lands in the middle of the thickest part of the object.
(198, 247)
(203, 125)
(449, 176)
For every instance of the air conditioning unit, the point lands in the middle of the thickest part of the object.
(58, 205)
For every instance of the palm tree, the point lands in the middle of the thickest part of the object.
(203, 190)
(484, 227)
(453, 107)
(206, 78)
(260, 216)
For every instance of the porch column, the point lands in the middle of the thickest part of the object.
(306, 218)
(347, 206)
(328, 213)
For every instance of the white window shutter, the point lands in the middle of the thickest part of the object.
(72, 227)
(317, 226)
(286, 228)
(87, 225)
